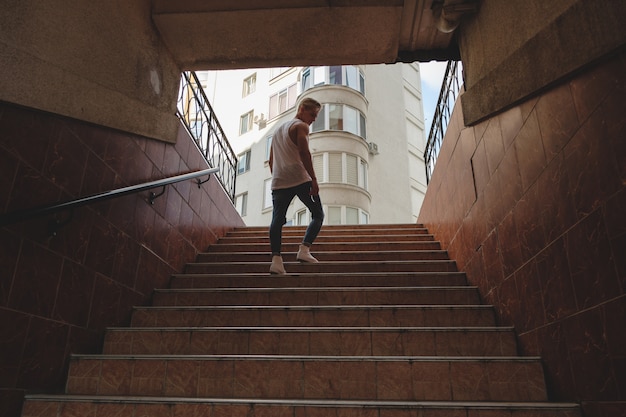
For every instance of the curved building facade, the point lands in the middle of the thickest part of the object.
(371, 118)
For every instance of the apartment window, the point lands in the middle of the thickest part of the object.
(352, 215)
(268, 147)
(249, 85)
(346, 215)
(302, 218)
(340, 168)
(245, 123)
(334, 215)
(241, 204)
(275, 72)
(267, 194)
(243, 164)
(349, 76)
(340, 117)
(283, 101)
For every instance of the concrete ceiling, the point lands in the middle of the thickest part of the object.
(219, 34)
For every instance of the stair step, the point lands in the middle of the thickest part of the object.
(382, 378)
(371, 279)
(465, 295)
(294, 267)
(79, 405)
(325, 341)
(397, 255)
(315, 316)
(332, 231)
(384, 326)
(292, 247)
(297, 238)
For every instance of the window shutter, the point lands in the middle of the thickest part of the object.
(292, 94)
(273, 106)
(352, 169)
(318, 166)
(334, 168)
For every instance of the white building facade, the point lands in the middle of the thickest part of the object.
(367, 142)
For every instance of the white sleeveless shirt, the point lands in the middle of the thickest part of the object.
(287, 167)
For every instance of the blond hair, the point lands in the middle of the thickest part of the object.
(309, 104)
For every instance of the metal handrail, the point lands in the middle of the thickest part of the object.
(21, 215)
(196, 113)
(447, 97)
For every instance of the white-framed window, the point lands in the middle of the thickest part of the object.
(249, 85)
(345, 215)
(268, 147)
(245, 122)
(340, 117)
(347, 75)
(275, 72)
(340, 168)
(302, 217)
(241, 204)
(267, 193)
(283, 101)
(243, 162)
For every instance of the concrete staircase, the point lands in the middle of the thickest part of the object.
(383, 326)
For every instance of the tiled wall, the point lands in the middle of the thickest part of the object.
(57, 294)
(532, 204)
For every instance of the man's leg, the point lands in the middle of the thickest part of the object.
(314, 204)
(280, 200)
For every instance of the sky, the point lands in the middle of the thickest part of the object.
(432, 77)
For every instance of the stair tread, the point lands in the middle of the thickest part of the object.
(308, 358)
(318, 328)
(305, 289)
(418, 404)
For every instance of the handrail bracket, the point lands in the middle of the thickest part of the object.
(153, 196)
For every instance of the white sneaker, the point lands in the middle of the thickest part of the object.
(304, 255)
(277, 266)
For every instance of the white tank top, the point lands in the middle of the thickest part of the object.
(287, 167)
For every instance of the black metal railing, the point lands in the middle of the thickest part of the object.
(450, 88)
(21, 215)
(198, 116)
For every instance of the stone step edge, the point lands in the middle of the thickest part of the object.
(460, 329)
(324, 307)
(307, 358)
(314, 289)
(329, 252)
(319, 403)
(341, 275)
(330, 263)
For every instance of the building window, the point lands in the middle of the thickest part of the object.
(245, 123)
(267, 194)
(275, 72)
(349, 76)
(283, 101)
(241, 204)
(302, 218)
(243, 164)
(249, 85)
(340, 117)
(346, 215)
(268, 147)
(340, 168)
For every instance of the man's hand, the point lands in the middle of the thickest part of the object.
(315, 188)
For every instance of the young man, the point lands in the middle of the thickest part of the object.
(293, 175)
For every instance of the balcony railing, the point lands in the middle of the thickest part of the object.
(196, 113)
(445, 104)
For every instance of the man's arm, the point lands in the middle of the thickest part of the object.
(302, 141)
